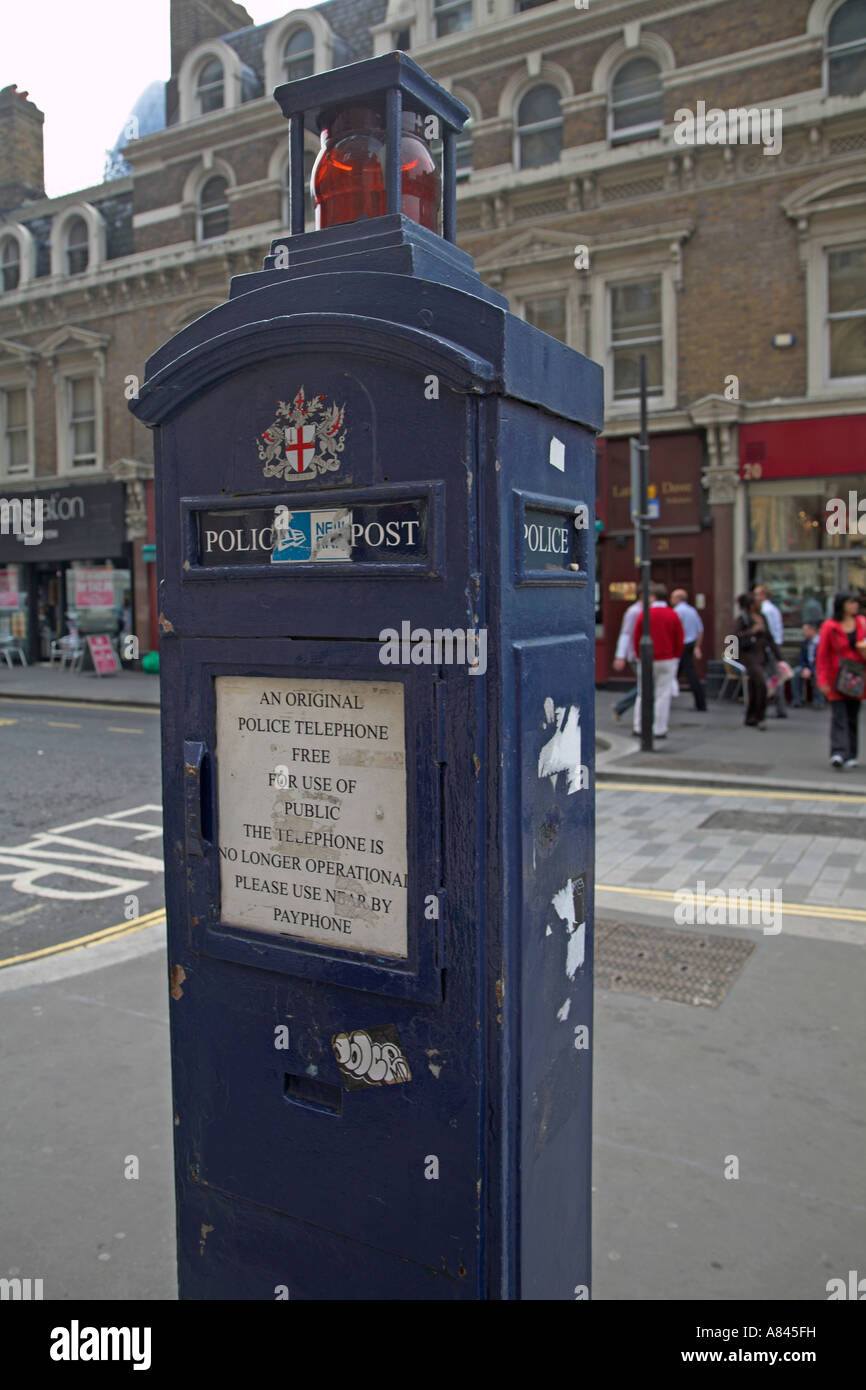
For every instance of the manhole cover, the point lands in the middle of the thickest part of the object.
(782, 823)
(663, 964)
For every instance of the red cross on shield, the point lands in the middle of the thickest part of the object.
(300, 447)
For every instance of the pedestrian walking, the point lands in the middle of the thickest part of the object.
(625, 654)
(755, 645)
(776, 628)
(804, 671)
(841, 670)
(666, 631)
(693, 631)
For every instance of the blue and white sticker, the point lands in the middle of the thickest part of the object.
(300, 536)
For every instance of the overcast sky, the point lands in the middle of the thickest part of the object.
(84, 63)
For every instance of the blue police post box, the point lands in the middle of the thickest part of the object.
(375, 493)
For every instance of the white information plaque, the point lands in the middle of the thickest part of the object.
(312, 809)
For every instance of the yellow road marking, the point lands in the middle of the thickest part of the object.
(726, 791)
(92, 939)
(59, 724)
(82, 704)
(837, 914)
(8, 721)
(113, 729)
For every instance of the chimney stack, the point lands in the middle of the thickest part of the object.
(22, 172)
(193, 21)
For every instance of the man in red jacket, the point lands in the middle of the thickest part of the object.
(668, 637)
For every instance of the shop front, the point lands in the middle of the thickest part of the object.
(77, 579)
(681, 538)
(803, 481)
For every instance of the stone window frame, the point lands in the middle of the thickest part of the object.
(76, 353)
(830, 216)
(17, 373)
(187, 80)
(13, 231)
(552, 287)
(635, 43)
(195, 182)
(535, 74)
(95, 240)
(278, 36)
(653, 262)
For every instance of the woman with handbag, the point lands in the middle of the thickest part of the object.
(841, 671)
(755, 644)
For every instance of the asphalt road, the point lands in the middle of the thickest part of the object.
(80, 821)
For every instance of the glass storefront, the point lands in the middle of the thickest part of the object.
(791, 549)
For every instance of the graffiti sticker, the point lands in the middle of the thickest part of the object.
(371, 1057)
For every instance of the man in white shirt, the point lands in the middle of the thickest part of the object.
(773, 619)
(693, 630)
(624, 653)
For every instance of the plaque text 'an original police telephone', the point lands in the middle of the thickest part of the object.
(312, 810)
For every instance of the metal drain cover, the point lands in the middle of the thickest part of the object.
(661, 964)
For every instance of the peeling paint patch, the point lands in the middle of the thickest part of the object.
(164, 624)
(561, 753)
(557, 454)
(176, 979)
(564, 905)
(205, 1232)
(436, 1070)
(548, 931)
(562, 1014)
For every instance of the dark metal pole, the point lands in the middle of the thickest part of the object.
(647, 684)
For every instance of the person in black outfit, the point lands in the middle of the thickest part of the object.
(755, 642)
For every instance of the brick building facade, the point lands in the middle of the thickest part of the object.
(741, 274)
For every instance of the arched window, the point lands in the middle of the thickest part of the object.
(846, 50)
(298, 58)
(213, 206)
(77, 246)
(539, 127)
(10, 264)
(636, 100)
(209, 87)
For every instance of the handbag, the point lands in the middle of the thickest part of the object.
(782, 673)
(851, 679)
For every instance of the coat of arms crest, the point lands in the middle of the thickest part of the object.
(306, 438)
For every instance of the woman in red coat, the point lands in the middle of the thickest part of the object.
(843, 639)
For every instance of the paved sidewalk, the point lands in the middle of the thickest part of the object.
(44, 682)
(716, 749)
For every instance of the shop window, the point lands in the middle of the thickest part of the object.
(539, 127)
(521, 5)
(402, 39)
(846, 311)
(213, 209)
(10, 265)
(548, 312)
(77, 247)
(82, 422)
(209, 87)
(298, 60)
(451, 16)
(846, 50)
(635, 319)
(16, 433)
(635, 101)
